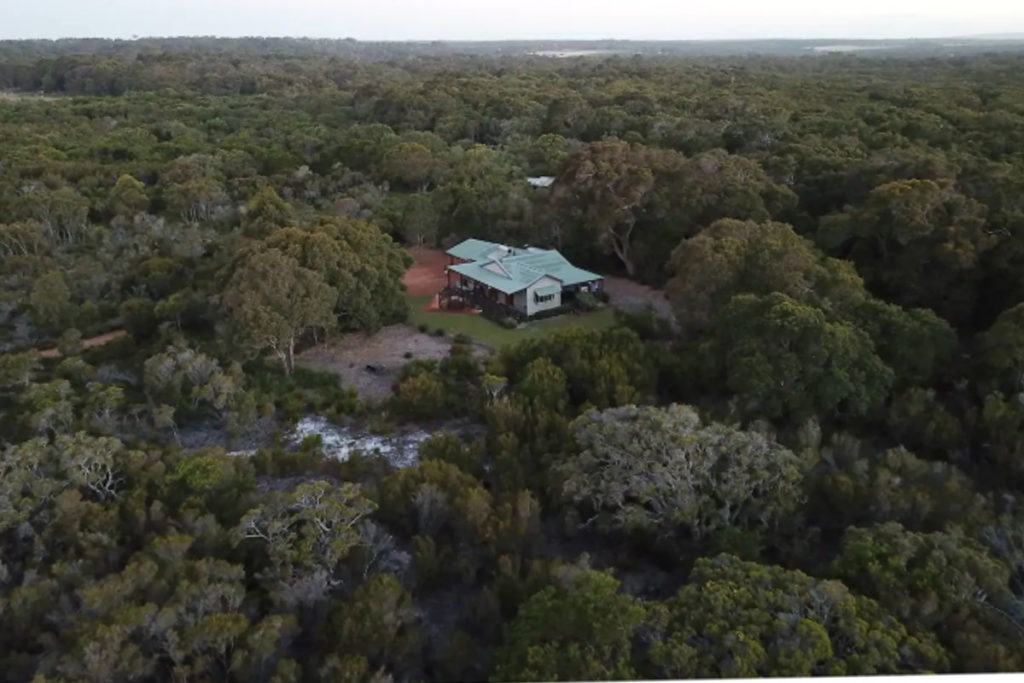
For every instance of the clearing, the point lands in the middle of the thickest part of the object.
(352, 356)
(370, 363)
(634, 297)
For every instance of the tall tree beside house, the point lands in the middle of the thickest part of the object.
(362, 264)
(272, 301)
(693, 194)
(484, 191)
(744, 257)
(604, 190)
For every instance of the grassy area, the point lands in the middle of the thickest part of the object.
(495, 336)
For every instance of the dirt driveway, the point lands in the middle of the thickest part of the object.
(350, 357)
(426, 276)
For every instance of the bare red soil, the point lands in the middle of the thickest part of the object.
(426, 276)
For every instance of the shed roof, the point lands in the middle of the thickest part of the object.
(542, 181)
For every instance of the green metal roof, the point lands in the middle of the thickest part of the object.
(472, 249)
(571, 275)
(544, 291)
(518, 270)
(501, 283)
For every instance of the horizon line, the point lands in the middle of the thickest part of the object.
(1009, 36)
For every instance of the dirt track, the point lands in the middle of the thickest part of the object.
(98, 340)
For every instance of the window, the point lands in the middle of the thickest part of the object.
(543, 295)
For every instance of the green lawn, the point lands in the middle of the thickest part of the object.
(490, 334)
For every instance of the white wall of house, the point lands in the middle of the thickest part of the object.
(533, 306)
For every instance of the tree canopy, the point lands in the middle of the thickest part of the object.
(738, 619)
(662, 468)
(783, 438)
(785, 357)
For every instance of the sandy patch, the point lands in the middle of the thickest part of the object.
(351, 356)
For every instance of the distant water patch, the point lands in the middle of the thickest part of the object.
(850, 48)
(566, 54)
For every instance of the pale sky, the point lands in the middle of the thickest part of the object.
(502, 19)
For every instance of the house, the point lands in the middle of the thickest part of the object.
(515, 281)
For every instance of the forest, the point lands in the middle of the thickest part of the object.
(815, 466)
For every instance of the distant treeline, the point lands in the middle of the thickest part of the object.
(350, 48)
(252, 66)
